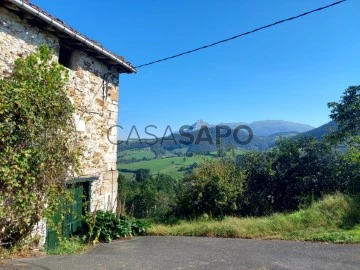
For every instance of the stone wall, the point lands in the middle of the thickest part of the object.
(93, 89)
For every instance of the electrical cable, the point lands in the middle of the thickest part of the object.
(243, 34)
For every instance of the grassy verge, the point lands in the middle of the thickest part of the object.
(24, 251)
(66, 247)
(69, 247)
(334, 219)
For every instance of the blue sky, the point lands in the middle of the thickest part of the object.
(288, 72)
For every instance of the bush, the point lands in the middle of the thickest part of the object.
(109, 226)
(212, 188)
(139, 226)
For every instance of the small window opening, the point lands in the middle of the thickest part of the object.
(65, 56)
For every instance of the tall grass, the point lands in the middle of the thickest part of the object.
(334, 219)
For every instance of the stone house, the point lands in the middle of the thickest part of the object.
(93, 88)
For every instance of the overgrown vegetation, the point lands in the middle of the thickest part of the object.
(147, 196)
(293, 174)
(334, 219)
(38, 151)
(70, 246)
(109, 226)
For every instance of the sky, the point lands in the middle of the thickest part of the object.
(288, 72)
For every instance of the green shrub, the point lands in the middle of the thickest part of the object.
(212, 188)
(109, 226)
(139, 226)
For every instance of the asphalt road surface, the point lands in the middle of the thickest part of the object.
(202, 253)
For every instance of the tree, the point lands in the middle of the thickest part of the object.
(220, 149)
(346, 114)
(153, 196)
(142, 174)
(212, 188)
(294, 173)
(306, 169)
(38, 149)
(258, 196)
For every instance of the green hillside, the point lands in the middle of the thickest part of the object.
(129, 161)
(136, 155)
(173, 166)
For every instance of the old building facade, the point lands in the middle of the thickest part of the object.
(93, 87)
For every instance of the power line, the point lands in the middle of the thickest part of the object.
(243, 34)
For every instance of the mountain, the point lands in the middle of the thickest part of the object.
(321, 131)
(199, 124)
(265, 134)
(270, 127)
(265, 128)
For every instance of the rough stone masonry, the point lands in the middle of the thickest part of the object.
(93, 89)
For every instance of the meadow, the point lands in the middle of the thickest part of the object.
(136, 154)
(170, 164)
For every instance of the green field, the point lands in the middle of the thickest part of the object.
(136, 154)
(171, 165)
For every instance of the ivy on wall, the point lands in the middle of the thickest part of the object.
(38, 149)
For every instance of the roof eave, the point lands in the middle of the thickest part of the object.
(126, 67)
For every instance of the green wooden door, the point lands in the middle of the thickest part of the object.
(51, 235)
(73, 213)
(73, 218)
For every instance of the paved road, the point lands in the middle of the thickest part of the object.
(202, 253)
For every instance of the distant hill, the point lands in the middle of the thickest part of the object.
(321, 131)
(265, 135)
(270, 127)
